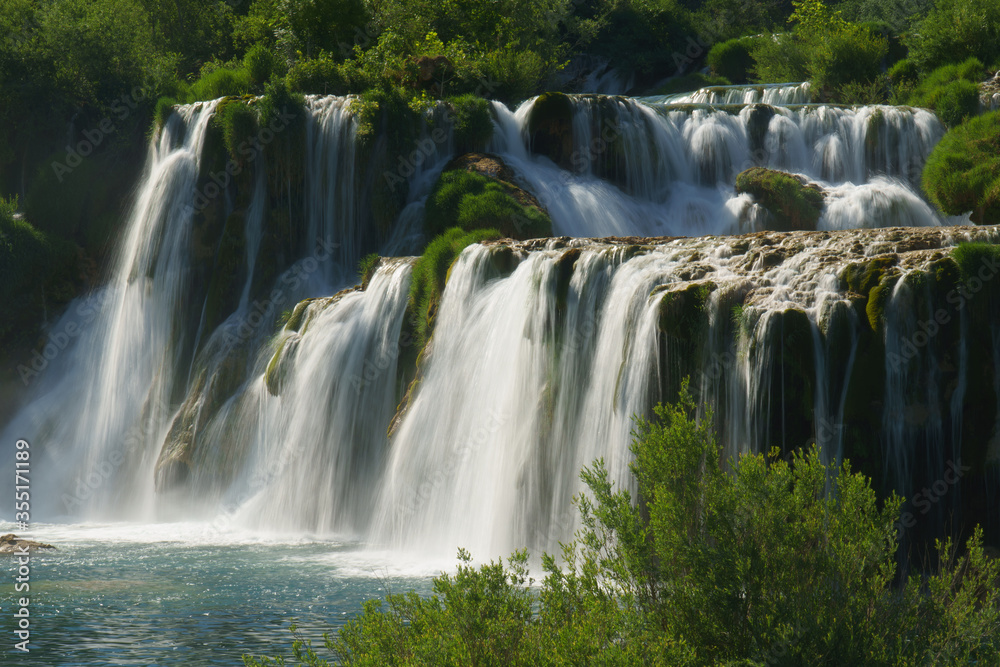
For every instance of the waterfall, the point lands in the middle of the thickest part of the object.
(301, 403)
(103, 418)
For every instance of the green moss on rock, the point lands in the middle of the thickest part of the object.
(478, 191)
(793, 203)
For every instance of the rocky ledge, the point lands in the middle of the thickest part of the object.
(11, 543)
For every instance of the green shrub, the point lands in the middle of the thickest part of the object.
(512, 75)
(222, 82)
(164, 107)
(471, 201)
(956, 30)
(769, 561)
(963, 171)
(779, 59)
(904, 70)
(238, 121)
(261, 64)
(731, 59)
(277, 100)
(320, 75)
(472, 123)
(971, 257)
(958, 102)
(431, 272)
(367, 267)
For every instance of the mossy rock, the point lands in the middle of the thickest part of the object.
(479, 191)
(794, 204)
(862, 277)
(683, 309)
(276, 375)
(550, 128)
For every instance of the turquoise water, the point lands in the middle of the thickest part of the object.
(180, 594)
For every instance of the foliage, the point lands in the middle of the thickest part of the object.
(35, 268)
(367, 267)
(956, 30)
(164, 107)
(321, 75)
(221, 82)
(260, 63)
(238, 121)
(431, 272)
(731, 59)
(472, 201)
(472, 123)
(962, 173)
(971, 257)
(823, 47)
(785, 561)
(951, 90)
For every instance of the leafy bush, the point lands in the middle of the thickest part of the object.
(164, 107)
(431, 272)
(775, 561)
(260, 63)
(824, 48)
(511, 75)
(238, 121)
(956, 30)
(472, 123)
(731, 59)
(472, 201)
(958, 102)
(951, 91)
(221, 82)
(320, 75)
(367, 267)
(962, 173)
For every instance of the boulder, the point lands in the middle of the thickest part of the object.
(793, 203)
(11, 543)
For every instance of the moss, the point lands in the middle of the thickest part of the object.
(550, 128)
(793, 204)
(472, 123)
(683, 309)
(164, 108)
(877, 300)
(297, 316)
(228, 272)
(962, 173)
(276, 374)
(367, 267)
(972, 257)
(430, 274)
(237, 121)
(471, 200)
(862, 277)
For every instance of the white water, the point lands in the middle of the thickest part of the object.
(773, 93)
(521, 387)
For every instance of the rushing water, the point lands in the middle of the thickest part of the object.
(290, 443)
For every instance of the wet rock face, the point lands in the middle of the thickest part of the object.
(550, 127)
(793, 203)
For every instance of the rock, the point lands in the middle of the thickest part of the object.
(550, 127)
(479, 191)
(11, 543)
(793, 203)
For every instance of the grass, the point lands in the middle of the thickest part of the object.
(962, 174)
(471, 201)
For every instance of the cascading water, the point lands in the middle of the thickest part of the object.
(541, 354)
(105, 414)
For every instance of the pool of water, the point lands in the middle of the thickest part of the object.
(187, 594)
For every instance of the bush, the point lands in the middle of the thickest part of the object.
(779, 561)
(956, 30)
(260, 63)
(222, 82)
(472, 201)
(962, 173)
(958, 102)
(238, 121)
(164, 108)
(472, 123)
(320, 75)
(431, 272)
(512, 75)
(731, 59)
(951, 91)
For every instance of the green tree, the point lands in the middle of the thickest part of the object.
(956, 30)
